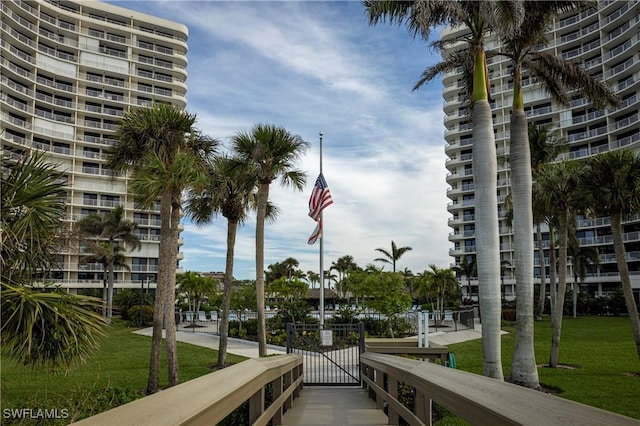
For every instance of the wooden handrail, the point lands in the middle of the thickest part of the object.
(208, 399)
(478, 399)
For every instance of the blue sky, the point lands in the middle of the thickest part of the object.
(319, 67)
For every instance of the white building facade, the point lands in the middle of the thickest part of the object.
(606, 42)
(69, 71)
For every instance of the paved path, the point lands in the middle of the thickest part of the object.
(250, 349)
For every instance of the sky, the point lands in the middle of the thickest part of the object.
(311, 67)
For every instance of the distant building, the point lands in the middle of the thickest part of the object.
(70, 70)
(606, 42)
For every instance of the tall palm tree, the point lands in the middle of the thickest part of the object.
(545, 145)
(391, 257)
(438, 281)
(343, 266)
(165, 154)
(557, 77)
(467, 268)
(271, 153)
(231, 192)
(197, 288)
(478, 17)
(610, 185)
(313, 278)
(41, 329)
(108, 231)
(581, 258)
(556, 188)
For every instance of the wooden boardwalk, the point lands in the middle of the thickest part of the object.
(334, 406)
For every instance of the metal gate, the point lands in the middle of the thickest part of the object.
(331, 354)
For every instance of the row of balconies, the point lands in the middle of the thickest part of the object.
(628, 237)
(632, 256)
(41, 15)
(60, 116)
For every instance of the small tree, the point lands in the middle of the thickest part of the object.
(383, 292)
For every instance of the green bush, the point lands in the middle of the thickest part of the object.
(508, 314)
(135, 317)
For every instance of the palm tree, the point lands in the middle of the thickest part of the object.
(270, 152)
(231, 192)
(557, 77)
(610, 185)
(467, 268)
(581, 258)
(165, 155)
(343, 266)
(391, 257)
(439, 281)
(555, 187)
(33, 205)
(108, 231)
(545, 146)
(41, 329)
(478, 17)
(196, 287)
(313, 278)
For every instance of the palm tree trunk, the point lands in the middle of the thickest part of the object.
(575, 294)
(553, 280)
(232, 226)
(170, 294)
(263, 197)
(110, 290)
(524, 370)
(485, 170)
(105, 291)
(632, 308)
(158, 306)
(542, 297)
(558, 307)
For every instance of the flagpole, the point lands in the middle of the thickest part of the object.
(321, 254)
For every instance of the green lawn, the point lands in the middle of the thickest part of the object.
(116, 372)
(606, 368)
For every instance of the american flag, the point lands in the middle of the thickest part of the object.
(317, 233)
(320, 198)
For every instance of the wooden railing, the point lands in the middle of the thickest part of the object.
(477, 399)
(208, 399)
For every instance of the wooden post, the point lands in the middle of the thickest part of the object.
(276, 385)
(392, 414)
(256, 405)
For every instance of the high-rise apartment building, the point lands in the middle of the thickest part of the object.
(70, 71)
(606, 42)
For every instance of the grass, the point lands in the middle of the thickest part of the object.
(605, 369)
(117, 372)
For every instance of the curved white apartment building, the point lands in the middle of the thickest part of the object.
(607, 42)
(70, 70)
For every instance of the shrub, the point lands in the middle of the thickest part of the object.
(508, 314)
(140, 319)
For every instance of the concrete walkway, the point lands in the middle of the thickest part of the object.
(250, 349)
(240, 347)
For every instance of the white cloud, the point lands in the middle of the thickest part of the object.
(312, 67)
